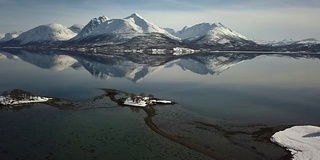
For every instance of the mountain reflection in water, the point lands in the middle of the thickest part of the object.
(134, 66)
(212, 90)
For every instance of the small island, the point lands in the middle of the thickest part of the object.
(142, 100)
(18, 96)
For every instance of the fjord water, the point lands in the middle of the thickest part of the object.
(231, 87)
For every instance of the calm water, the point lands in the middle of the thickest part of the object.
(236, 88)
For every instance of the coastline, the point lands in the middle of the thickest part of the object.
(261, 134)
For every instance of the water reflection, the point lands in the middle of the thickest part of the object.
(135, 67)
(259, 87)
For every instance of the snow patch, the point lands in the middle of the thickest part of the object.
(302, 141)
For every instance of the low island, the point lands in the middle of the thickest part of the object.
(17, 97)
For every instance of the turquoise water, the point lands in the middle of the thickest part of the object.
(233, 88)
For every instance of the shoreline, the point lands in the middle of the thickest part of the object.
(261, 134)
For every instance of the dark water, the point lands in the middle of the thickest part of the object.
(234, 88)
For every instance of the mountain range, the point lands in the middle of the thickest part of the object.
(135, 32)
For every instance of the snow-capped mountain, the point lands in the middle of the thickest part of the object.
(45, 33)
(308, 41)
(9, 36)
(76, 28)
(134, 32)
(286, 42)
(274, 43)
(87, 29)
(118, 30)
(206, 33)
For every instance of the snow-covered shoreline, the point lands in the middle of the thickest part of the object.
(7, 100)
(302, 141)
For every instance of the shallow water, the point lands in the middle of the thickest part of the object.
(231, 88)
(43, 132)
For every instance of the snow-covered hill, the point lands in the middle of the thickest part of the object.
(76, 28)
(206, 33)
(118, 30)
(9, 36)
(46, 33)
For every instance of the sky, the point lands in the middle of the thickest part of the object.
(255, 19)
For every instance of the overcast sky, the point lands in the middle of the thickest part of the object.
(255, 19)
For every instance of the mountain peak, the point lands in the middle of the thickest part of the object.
(123, 29)
(53, 26)
(209, 33)
(104, 18)
(87, 29)
(100, 19)
(134, 15)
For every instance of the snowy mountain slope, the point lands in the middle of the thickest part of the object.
(119, 30)
(9, 36)
(275, 43)
(286, 42)
(144, 26)
(206, 33)
(308, 41)
(46, 33)
(1, 35)
(150, 40)
(76, 28)
(87, 29)
(305, 45)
